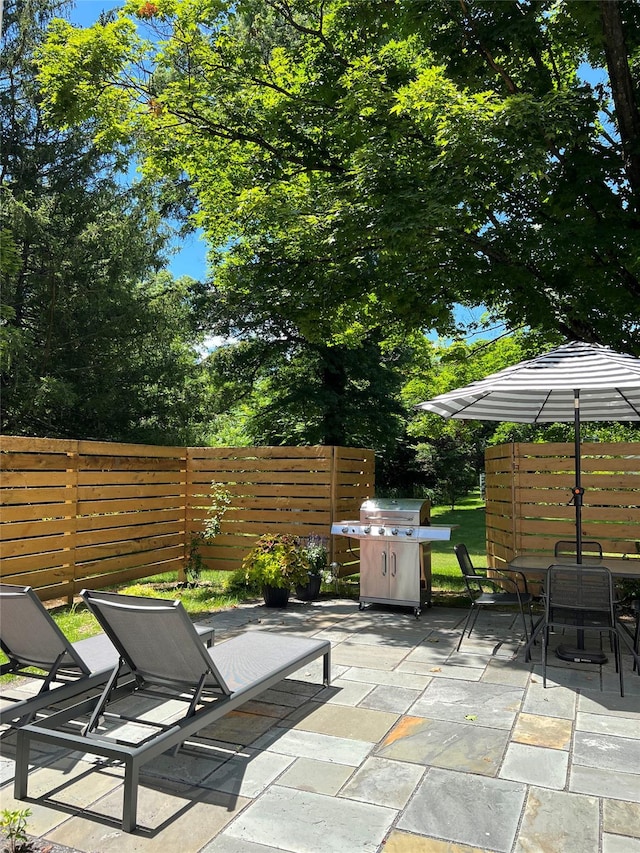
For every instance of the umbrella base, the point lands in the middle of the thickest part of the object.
(576, 655)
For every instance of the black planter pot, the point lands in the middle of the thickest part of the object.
(310, 590)
(275, 596)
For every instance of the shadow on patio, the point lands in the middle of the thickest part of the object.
(414, 747)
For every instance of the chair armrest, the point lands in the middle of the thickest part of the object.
(505, 572)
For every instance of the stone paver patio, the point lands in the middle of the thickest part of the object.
(413, 749)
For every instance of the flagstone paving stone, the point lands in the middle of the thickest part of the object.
(405, 842)
(441, 743)
(535, 765)
(464, 808)
(394, 699)
(387, 783)
(344, 692)
(344, 721)
(621, 818)
(549, 702)
(605, 724)
(493, 705)
(303, 822)
(321, 777)
(558, 821)
(415, 748)
(606, 752)
(552, 732)
(441, 670)
(605, 783)
(620, 844)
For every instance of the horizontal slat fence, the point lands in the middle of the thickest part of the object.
(80, 514)
(298, 490)
(528, 489)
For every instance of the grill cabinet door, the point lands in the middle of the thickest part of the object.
(404, 572)
(374, 568)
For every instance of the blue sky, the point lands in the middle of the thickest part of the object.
(191, 257)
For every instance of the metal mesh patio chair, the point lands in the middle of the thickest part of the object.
(581, 598)
(171, 668)
(567, 548)
(503, 590)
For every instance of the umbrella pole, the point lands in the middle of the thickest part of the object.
(578, 491)
(579, 654)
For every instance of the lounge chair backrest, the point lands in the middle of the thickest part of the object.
(156, 638)
(28, 634)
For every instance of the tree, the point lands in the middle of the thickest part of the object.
(388, 159)
(95, 342)
(451, 451)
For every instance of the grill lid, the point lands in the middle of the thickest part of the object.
(395, 511)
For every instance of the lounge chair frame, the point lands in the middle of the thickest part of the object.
(30, 637)
(232, 673)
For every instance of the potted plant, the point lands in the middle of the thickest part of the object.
(276, 563)
(316, 555)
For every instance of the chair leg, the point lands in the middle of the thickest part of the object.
(464, 627)
(475, 610)
(615, 639)
(524, 625)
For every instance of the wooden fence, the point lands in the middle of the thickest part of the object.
(80, 514)
(528, 489)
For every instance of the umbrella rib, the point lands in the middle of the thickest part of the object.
(628, 402)
(472, 403)
(541, 409)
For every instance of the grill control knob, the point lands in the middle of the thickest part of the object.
(410, 531)
(381, 531)
(367, 529)
(345, 529)
(395, 531)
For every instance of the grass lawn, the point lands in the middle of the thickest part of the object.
(469, 519)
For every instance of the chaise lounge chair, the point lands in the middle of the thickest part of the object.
(158, 644)
(29, 637)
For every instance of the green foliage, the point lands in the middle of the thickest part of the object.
(373, 163)
(277, 560)
(94, 342)
(357, 168)
(194, 563)
(220, 498)
(451, 468)
(14, 825)
(315, 553)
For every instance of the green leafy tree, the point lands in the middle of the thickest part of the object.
(375, 162)
(95, 342)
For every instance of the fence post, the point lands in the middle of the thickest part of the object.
(72, 535)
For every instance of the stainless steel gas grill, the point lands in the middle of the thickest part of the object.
(395, 559)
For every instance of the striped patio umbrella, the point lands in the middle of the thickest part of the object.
(572, 382)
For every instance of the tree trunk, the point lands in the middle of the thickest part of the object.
(623, 94)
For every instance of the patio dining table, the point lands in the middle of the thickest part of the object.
(534, 566)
